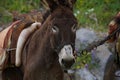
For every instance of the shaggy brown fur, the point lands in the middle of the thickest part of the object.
(39, 56)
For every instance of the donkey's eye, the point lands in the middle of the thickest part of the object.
(74, 28)
(55, 29)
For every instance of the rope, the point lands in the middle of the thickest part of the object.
(99, 42)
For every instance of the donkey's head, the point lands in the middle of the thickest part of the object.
(62, 26)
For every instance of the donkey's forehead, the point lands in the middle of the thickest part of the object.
(63, 13)
(66, 21)
(62, 17)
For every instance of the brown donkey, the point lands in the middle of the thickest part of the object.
(49, 50)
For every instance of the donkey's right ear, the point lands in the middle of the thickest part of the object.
(49, 4)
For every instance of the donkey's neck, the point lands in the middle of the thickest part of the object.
(40, 47)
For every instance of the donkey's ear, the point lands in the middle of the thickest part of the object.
(53, 4)
(49, 4)
(67, 3)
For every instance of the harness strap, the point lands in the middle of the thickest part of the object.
(10, 49)
(5, 39)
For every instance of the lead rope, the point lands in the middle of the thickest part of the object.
(99, 42)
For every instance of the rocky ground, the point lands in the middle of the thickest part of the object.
(101, 53)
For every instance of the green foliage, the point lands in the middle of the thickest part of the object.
(5, 16)
(81, 61)
(86, 60)
(21, 6)
(96, 14)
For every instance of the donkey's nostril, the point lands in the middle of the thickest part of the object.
(63, 61)
(68, 63)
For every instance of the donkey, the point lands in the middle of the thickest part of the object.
(50, 49)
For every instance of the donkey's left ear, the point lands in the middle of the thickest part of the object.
(53, 4)
(49, 4)
(67, 3)
(72, 2)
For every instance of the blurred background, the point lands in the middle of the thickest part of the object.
(94, 14)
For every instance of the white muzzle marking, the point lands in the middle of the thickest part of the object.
(66, 53)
